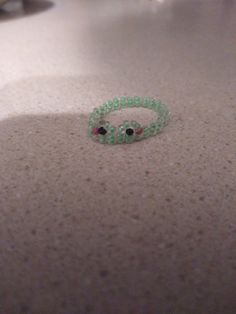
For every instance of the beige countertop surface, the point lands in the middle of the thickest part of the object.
(146, 228)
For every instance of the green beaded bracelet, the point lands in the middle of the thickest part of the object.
(129, 131)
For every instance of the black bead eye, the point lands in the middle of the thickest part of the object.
(129, 131)
(102, 130)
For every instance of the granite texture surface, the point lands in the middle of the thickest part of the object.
(146, 228)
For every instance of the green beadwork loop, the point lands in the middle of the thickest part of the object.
(129, 131)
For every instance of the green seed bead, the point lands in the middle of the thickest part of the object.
(146, 132)
(130, 101)
(153, 104)
(111, 140)
(110, 105)
(102, 139)
(138, 101)
(150, 103)
(157, 105)
(130, 139)
(152, 128)
(121, 129)
(158, 128)
(91, 122)
(96, 111)
(146, 102)
(161, 120)
(112, 129)
(121, 138)
(94, 115)
(90, 130)
(123, 102)
(164, 110)
(135, 125)
(107, 109)
(116, 103)
(126, 123)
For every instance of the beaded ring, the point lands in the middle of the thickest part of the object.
(129, 131)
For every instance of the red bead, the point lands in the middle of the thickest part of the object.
(139, 131)
(96, 131)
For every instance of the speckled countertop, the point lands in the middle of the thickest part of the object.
(147, 228)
